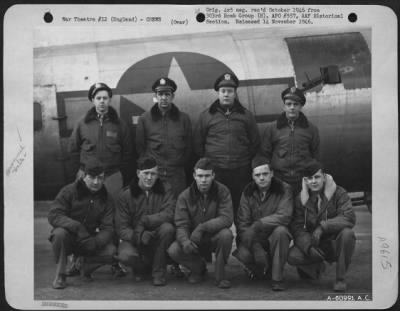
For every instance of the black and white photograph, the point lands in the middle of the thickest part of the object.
(201, 156)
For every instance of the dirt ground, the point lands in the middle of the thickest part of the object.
(105, 287)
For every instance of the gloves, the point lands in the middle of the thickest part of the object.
(257, 226)
(145, 221)
(248, 237)
(197, 235)
(189, 247)
(316, 254)
(146, 237)
(88, 245)
(82, 233)
(316, 236)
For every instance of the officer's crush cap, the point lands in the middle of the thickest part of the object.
(164, 84)
(99, 86)
(294, 94)
(227, 79)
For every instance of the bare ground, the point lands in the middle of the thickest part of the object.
(105, 287)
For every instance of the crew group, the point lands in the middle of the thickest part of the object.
(273, 190)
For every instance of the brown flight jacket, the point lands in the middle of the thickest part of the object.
(336, 213)
(167, 138)
(133, 203)
(289, 149)
(108, 140)
(275, 210)
(75, 206)
(214, 214)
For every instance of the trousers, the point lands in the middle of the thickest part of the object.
(219, 243)
(64, 244)
(152, 256)
(276, 244)
(338, 248)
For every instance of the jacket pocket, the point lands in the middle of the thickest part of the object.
(114, 148)
(86, 146)
(155, 146)
(303, 154)
(282, 153)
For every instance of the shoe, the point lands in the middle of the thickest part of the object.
(176, 270)
(159, 281)
(194, 278)
(60, 282)
(223, 284)
(74, 264)
(267, 273)
(277, 286)
(86, 277)
(303, 275)
(72, 271)
(250, 273)
(117, 270)
(340, 286)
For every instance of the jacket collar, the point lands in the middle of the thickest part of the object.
(216, 106)
(195, 194)
(158, 187)
(111, 115)
(301, 121)
(275, 188)
(156, 114)
(328, 191)
(83, 191)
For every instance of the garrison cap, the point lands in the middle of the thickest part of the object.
(259, 160)
(146, 163)
(227, 79)
(93, 167)
(204, 164)
(98, 87)
(294, 94)
(164, 84)
(312, 167)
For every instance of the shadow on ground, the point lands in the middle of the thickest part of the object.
(105, 287)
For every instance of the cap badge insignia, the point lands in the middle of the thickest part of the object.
(293, 89)
(227, 76)
(162, 81)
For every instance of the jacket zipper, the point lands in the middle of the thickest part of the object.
(88, 212)
(291, 125)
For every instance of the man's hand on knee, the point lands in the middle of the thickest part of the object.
(316, 236)
(82, 233)
(197, 234)
(316, 254)
(189, 247)
(147, 237)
